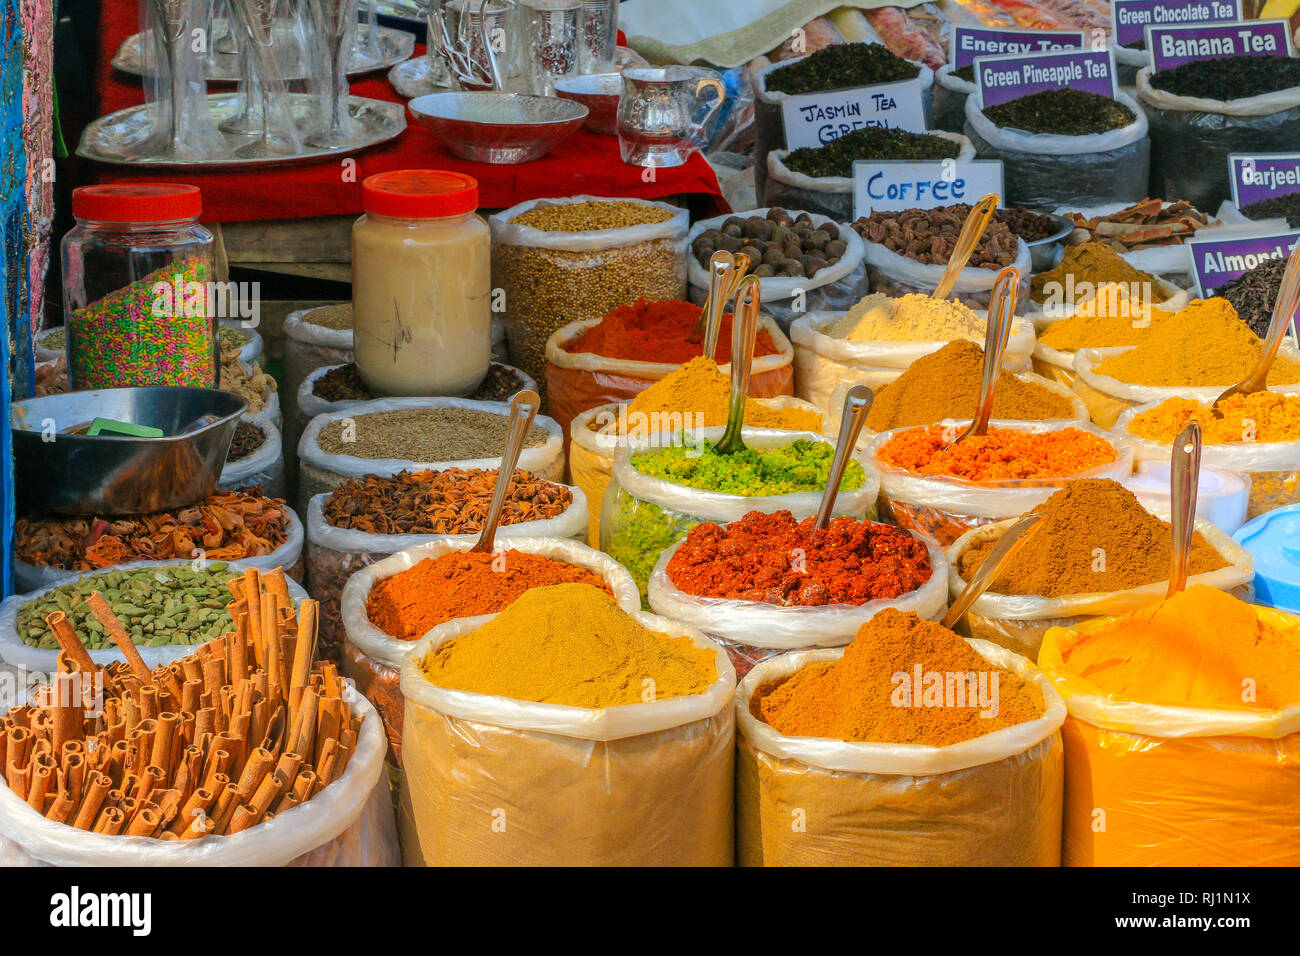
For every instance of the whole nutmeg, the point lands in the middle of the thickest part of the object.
(729, 243)
(765, 271)
(819, 238)
(773, 256)
(778, 214)
(732, 229)
(804, 217)
(755, 254)
(792, 265)
(836, 248)
(733, 221)
(814, 264)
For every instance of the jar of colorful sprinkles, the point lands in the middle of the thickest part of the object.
(137, 288)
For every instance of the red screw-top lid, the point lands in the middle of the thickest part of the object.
(137, 202)
(419, 193)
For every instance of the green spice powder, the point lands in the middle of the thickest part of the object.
(1064, 112)
(801, 466)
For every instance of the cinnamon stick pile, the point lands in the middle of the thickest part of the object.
(214, 743)
(1140, 226)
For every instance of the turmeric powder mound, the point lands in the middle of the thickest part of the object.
(946, 384)
(1100, 331)
(1095, 536)
(1207, 343)
(1089, 264)
(699, 389)
(903, 680)
(1252, 417)
(571, 644)
(1199, 648)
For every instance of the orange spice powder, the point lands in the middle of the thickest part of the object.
(1002, 454)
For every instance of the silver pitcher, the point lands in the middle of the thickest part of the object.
(663, 114)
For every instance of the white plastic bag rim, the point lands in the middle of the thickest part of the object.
(266, 456)
(386, 649)
(506, 233)
(1262, 104)
(297, 327)
(945, 78)
(919, 760)
(609, 723)
(1057, 144)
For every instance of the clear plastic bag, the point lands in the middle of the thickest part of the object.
(945, 508)
(19, 654)
(1272, 468)
(785, 299)
(579, 381)
(495, 781)
(550, 279)
(823, 364)
(319, 471)
(308, 346)
(643, 516)
(994, 800)
(1175, 786)
(826, 195)
(1043, 171)
(950, 93)
(264, 466)
(374, 658)
(1211, 130)
(335, 554)
(348, 823)
(752, 630)
(1019, 621)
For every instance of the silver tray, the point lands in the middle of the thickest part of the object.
(415, 78)
(394, 46)
(111, 138)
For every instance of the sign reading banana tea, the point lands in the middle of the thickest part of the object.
(1174, 46)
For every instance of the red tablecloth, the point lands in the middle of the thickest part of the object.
(586, 163)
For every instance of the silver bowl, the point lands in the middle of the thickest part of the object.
(599, 92)
(498, 127)
(118, 474)
(1042, 252)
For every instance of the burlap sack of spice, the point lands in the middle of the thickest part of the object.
(1019, 621)
(349, 823)
(823, 364)
(579, 381)
(1107, 398)
(374, 658)
(319, 471)
(333, 554)
(491, 781)
(809, 801)
(827, 195)
(643, 516)
(1148, 785)
(592, 450)
(837, 286)
(752, 631)
(946, 508)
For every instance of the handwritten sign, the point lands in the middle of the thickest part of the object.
(1174, 46)
(1132, 17)
(971, 42)
(1263, 176)
(1004, 78)
(1216, 262)
(815, 119)
(893, 185)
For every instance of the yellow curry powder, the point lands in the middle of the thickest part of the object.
(903, 680)
(1200, 648)
(909, 318)
(1207, 343)
(1101, 331)
(1254, 417)
(571, 644)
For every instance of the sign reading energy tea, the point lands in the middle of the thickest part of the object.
(1132, 17)
(1263, 176)
(1001, 79)
(1216, 262)
(895, 185)
(1174, 46)
(969, 42)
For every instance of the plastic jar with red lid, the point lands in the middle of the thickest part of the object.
(421, 284)
(137, 293)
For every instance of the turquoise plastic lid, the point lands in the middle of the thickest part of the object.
(1273, 539)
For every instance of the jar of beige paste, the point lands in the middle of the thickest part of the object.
(421, 284)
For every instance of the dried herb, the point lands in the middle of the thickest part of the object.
(1230, 77)
(871, 142)
(841, 66)
(1064, 112)
(343, 384)
(1253, 293)
(248, 439)
(966, 73)
(424, 434)
(1287, 205)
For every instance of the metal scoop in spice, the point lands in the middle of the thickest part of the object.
(1184, 478)
(744, 329)
(523, 409)
(857, 402)
(1288, 298)
(725, 272)
(1002, 310)
(1012, 540)
(981, 214)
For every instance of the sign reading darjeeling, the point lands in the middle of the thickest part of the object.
(1003, 78)
(814, 119)
(971, 42)
(1132, 17)
(894, 185)
(1263, 176)
(1216, 262)
(1173, 46)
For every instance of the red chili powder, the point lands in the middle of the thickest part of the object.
(776, 560)
(656, 331)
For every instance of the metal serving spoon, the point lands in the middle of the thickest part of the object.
(1002, 310)
(744, 329)
(1284, 306)
(1012, 540)
(709, 324)
(1184, 478)
(523, 409)
(857, 402)
(981, 214)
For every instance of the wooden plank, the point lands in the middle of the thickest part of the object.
(318, 239)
